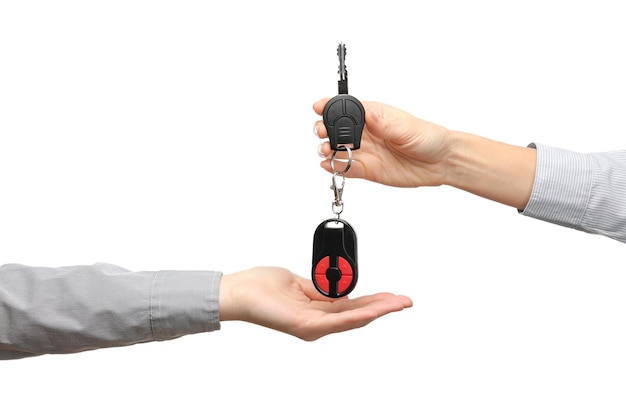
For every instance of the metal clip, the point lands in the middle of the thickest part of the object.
(338, 191)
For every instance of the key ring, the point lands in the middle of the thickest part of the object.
(332, 160)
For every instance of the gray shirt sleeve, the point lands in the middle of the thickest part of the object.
(72, 309)
(582, 191)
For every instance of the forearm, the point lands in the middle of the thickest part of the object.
(581, 191)
(497, 171)
(71, 309)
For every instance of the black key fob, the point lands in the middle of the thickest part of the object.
(334, 272)
(344, 118)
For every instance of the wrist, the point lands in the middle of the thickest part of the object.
(225, 301)
(494, 170)
(458, 161)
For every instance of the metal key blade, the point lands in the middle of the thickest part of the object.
(343, 72)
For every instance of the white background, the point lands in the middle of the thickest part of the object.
(178, 135)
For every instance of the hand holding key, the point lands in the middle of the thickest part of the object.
(398, 149)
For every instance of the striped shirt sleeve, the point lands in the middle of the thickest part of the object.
(586, 192)
(77, 308)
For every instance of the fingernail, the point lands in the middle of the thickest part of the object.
(319, 151)
(315, 130)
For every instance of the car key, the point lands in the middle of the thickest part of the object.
(344, 115)
(334, 272)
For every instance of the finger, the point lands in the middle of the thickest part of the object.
(357, 169)
(320, 130)
(319, 105)
(341, 157)
(374, 124)
(323, 150)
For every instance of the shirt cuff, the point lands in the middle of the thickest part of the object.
(184, 302)
(562, 186)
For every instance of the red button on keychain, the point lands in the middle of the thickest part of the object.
(334, 271)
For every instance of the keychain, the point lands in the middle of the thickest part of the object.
(334, 271)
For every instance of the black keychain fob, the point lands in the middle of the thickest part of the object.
(334, 272)
(344, 118)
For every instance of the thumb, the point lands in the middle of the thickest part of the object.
(375, 120)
